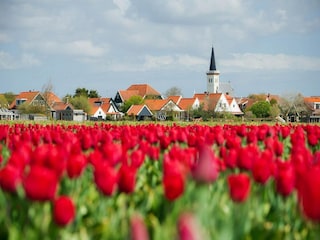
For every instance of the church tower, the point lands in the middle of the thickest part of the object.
(213, 76)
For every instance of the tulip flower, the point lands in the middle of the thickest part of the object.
(40, 184)
(63, 211)
(105, 178)
(206, 167)
(309, 194)
(239, 187)
(188, 227)
(127, 178)
(138, 229)
(10, 177)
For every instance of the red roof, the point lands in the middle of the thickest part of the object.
(156, 104)
(312, 99)
(28, 96)
(126, 94)
(51, 98)
(175, 99)
(93, 109)
(186, 103)
(58, 106)
(144, 90)
(135, 109)
(92, 101)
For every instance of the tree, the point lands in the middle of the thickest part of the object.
(3, 101)
(27, 108)
(257, 97)
(66, 98)
(200, 112)
(81, 92)
(261, 109)
(87, 93)
(134, 100)
(80, 102)
(93, 94)
(10, 97)
(46, 92)
(173, 91)
(292, 103)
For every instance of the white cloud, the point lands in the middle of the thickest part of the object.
(29, 60)
(256, 61)
(26, 60)
(6, 61)
(78, 48)
(4, 38)
(84, 48)
(150, 63)
(123, 5)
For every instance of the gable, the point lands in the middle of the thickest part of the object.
(175, 99)
(171, 106)
(145, 112)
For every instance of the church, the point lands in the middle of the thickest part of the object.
(213, 79)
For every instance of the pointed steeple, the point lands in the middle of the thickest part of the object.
(212, 62)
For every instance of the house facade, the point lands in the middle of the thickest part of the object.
(103, 109)
(164, 109)
(139, 112)
(313, 103)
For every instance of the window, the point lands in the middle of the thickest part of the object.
(317, 105)
(20, 101)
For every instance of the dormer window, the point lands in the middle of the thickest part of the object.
(20, 101)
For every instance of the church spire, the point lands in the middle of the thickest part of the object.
(212, 62)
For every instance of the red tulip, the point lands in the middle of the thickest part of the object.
(285, 131)
(173, 178)
(10, 177)
(173, 186)
(137, 158)
(112, 153)
(206, 167)
(247, 156)
(138, 229)
(63, 210)
(40, 184)
(239, 187)
(309, 194)
(231, 158)
(278, 147)
(56, 159)
(127, 178)
(313, 139)
(106, 178)
(188, 227)
(76, 165)
(262, 168)
(285, 178)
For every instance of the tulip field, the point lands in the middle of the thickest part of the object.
(157, 181)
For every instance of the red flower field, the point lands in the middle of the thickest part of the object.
(154, 181)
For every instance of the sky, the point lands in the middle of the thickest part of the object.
(267, 46)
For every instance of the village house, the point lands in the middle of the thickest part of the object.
(53, 106)
(187, 105)
(313, 103)
(139, 112)
(164, 109)
(143, 90)
(103, 109)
